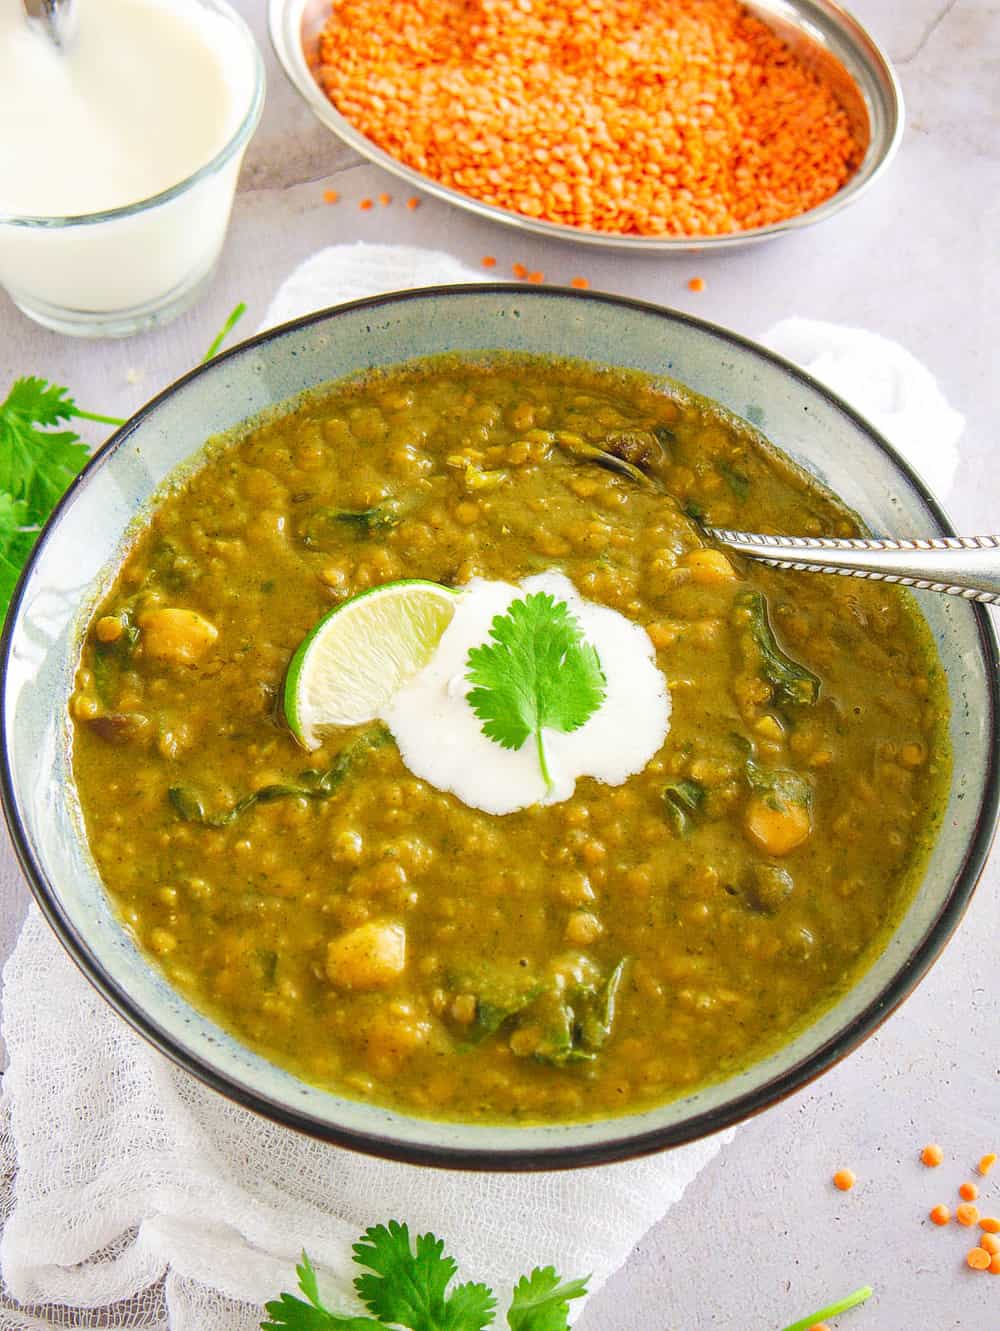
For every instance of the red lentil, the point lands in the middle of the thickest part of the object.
(979, 1259)
(365, 204)
(385, 199)
(519, 271)
(677, 117)
(932, 1155)
(536, 277)
(696, 284)
(331, 196)
(844, 1179)
(940, 1215)
(412, 203)
(488, 261)
(968, 1192)
(581, 283)
(967, 1214)
(987, 1163)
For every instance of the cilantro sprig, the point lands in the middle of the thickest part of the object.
(538, 673)
(404, 1285)
(37, 463)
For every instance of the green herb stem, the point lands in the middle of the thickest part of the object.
(832, 1310)
(101, 420)
(235, 316)
(542, 762)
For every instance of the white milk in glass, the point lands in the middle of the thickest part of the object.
(148, 98)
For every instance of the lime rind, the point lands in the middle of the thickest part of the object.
(359, 655)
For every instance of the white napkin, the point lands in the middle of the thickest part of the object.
(887, 384)
(132, 1191)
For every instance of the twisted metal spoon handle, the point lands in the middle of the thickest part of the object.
(967, 566)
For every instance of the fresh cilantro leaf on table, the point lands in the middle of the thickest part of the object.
(537, 673)
(540, 1301)
(37, 463)
(17, 535)
(410, 1288)
(288, 1311)
(407, 1287)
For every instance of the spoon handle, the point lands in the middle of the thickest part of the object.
(967, 566)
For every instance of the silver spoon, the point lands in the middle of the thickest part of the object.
(56, 19)
(967, 566)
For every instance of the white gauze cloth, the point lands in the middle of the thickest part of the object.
(133, 1197)
(886, 384)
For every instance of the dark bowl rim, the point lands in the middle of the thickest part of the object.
(510, 1159)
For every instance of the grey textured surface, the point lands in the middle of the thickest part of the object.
(761, 1237)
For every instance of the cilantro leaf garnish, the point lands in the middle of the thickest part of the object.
(537, 673)
(408, 1286)
(541, 1301)
(37, 463)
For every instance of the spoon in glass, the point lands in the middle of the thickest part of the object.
(54, 18)
(966, 566)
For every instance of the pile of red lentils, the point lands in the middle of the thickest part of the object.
(644, 117)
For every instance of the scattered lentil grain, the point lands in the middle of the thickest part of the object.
(968, 1192)
(940, 1215)
(696, 284)
(967, 1214)
(844, 1179)
(331, 196)
(932, 1155)
(987, 1163)
(979, 1259)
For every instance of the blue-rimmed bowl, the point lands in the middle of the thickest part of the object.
(83, 543)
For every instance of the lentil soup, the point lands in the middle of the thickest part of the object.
(570, 960)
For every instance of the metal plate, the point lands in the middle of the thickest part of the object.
(825, 38)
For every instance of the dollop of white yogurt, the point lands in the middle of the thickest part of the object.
(441, 739)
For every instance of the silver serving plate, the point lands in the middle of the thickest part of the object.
(824, 36)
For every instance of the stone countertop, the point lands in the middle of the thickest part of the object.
(761, 1237)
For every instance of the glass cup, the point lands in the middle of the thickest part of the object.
(114, 273)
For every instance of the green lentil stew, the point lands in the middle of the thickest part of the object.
(568, 961)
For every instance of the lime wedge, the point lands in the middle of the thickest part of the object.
(360, 654)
